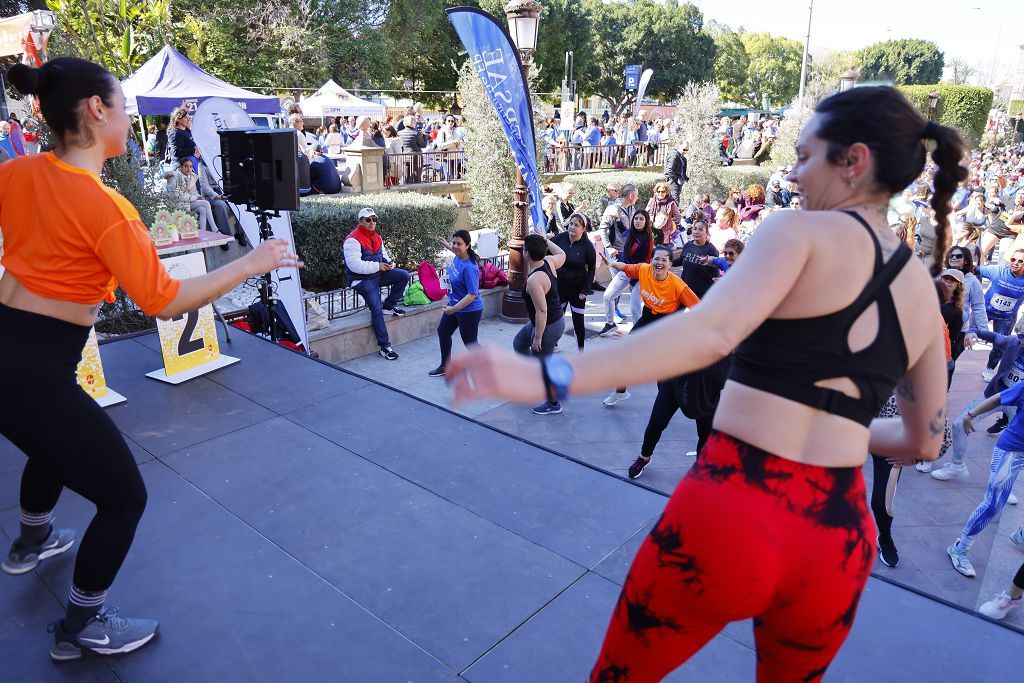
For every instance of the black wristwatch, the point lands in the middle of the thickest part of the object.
(557, 377)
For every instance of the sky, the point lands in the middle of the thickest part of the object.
(981, 31)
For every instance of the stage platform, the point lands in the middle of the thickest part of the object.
(307, 524)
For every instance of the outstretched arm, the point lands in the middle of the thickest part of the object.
(712, 329)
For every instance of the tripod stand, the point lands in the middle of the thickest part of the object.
(268, 297)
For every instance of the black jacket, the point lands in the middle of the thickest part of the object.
(180, 143)
(675, 168)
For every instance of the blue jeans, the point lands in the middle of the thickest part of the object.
(999, 326)
(369, 288)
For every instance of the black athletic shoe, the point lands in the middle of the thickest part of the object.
(396, 311)
(999, 425)
(437, 372)
(887, 552)
(597, 287)
(637, 468)
(388, 353)
(608, 329)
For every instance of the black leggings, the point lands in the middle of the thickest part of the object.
(879, 484)
(82, 449)
(665, 405)
(1018, 580)
(468, 324)
(569, 295)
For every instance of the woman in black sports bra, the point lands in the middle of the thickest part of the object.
(772, 521)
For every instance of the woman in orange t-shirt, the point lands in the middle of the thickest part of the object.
(69, 240)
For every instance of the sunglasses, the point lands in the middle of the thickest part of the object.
(955, 256)
(370, 219)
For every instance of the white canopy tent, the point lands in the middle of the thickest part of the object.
(333, 100)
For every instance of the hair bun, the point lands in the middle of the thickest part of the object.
(27, 80)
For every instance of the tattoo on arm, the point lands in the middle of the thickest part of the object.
(938, 423)
(93, 310)
(905, 389)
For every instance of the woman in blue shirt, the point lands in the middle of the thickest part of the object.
(465, 308)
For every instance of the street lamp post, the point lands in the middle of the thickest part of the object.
(523, 24)
(933, 101)
(848, 79)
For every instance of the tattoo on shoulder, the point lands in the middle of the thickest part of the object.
(93, 310)
(937, 424)
(905, 389)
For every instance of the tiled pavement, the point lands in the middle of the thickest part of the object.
(929, 513)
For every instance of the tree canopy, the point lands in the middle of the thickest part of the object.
(773, 77)
(667, 38)
(732, 63)
(905, 62)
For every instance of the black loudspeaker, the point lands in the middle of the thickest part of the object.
(275, 180)
(236, 163)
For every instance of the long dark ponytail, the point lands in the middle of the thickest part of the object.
(897, 134)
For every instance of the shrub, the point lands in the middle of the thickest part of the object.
(742, 176)
(963, 107)
(700, 103)
(1016, 108)
(409, 222)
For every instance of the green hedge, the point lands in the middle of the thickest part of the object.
(742, 176)
(963, 107)
(590, 186)
(408, 222)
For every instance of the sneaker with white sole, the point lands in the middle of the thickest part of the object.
(24, 558)
(388, 353)
(988, 373)
(616, 397)
(394, 312)
(1018, 537)
(436, 372)
(1012, 499)
(960, 561)
(105, 634)
(637, 468)
(999, 606)
(608, 330)
(949, 471)
(924, 466)
(887, 552)
(548, 408)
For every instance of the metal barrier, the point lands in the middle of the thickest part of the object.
(410, 168)
(591, 157)
(341, 303)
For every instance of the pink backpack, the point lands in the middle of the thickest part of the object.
(430, 281)
(492, 276)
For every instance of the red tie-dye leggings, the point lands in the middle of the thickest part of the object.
(746, 534)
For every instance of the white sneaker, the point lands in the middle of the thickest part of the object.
(924, 466)
(616, 397)
(999, 606)
(950, 470)
(1012, 500)
(960, 561)
(988, 374)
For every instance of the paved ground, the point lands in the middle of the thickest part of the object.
(305, 524)
(929, 513)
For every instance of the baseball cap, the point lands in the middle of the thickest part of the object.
(953, 273)
(366, 213)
